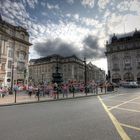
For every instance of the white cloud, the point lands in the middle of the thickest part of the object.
(68, 15)
(44, 13)
(90, 22)
(89, 3)
(134, 22)
(32, 3)
(107, 14)
(16, 11)
(70, 1)
(43, 4)
(101, 63)
(135, 6)
(103, 3)
(50, 6)
(114, 23)
(123, 6)
(76, 16)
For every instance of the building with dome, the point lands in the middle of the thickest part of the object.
(123, 57)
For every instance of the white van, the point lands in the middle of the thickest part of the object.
(133, 84)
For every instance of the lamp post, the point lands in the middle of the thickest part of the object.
(12, 77)
(57, 78)
(42, 78)
(85, 73)
(25, 72)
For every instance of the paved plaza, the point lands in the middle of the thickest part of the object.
(110, 117)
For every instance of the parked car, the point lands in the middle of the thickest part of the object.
(133, 84)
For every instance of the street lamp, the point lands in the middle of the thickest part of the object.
(25, 73)
(85, 73)
(12, 76)
(57, 77)
(42, 78)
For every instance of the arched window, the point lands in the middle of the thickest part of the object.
(127, 62)
(115, 63)
(128, 76)
(116, 78)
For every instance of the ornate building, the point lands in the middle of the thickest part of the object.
(71, 67)
(14, 52)
(123, 57)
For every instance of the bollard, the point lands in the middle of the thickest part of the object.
(15, 96)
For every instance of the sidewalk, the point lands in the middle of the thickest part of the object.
(23, 98)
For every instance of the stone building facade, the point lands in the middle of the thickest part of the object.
(71, 67)
(123, 57)
(14, 52)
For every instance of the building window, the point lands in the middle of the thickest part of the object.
(10, 53)
(127, 62)
(11, 32)
(64, 69)
(21, 66)
(8, 74)
(21, 56)
(3, 67)
(138, 61)
(22, 36)
(115, 66)
(9, 64)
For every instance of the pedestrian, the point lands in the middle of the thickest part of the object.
(30, 90)
(65, 90)
(101, 87)
(96, 88)
(72, 89)
(38, 93)
(55, 86)
(1, 92)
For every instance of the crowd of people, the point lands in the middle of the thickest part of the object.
(54, 89)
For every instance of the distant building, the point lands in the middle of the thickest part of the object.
(71, 67)
(123, 57)
(14, 52)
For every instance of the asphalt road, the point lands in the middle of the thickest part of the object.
(89, 118)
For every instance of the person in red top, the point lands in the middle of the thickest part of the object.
(65, 90)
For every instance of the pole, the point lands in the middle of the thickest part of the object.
(12, 78)
(38, 94)
(42, 78)
(85, 76)
(15, 95)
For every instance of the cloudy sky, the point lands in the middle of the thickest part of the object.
(68, 27)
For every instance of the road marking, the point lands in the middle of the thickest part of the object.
(117, 125)
(131, 110)
(135, 103)
(124, 103)
(113, 96)
(129, 126)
